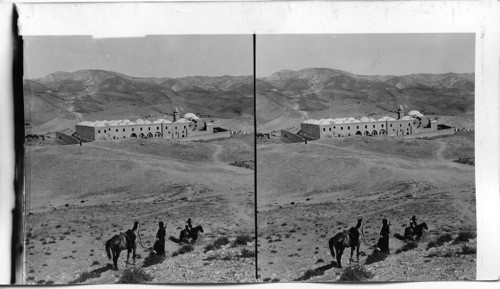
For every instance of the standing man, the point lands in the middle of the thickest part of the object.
(159, 245)
(384, 237)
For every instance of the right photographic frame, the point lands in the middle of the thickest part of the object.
(365, 157)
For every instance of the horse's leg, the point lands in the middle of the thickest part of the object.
(115, 258)
(339, 256)
(357, 253)
(128, 255)
(352, 251)
(133, 255)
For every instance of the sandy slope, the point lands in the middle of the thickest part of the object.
(81, 196)
(308, 193)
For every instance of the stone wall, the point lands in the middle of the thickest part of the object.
(207, 136)
(87, 133)
(441, 132)
(310, 130)
(290, 137)
(65, 139)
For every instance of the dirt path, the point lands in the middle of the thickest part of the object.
(217, 161)
(215, 155)
(439, 152)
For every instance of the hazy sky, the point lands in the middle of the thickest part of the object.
(158, 56)
(367, 54)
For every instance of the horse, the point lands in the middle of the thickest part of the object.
(185, 235)
(344, 240)
(417, 232)
(123, 241)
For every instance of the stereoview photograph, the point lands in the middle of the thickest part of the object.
(139, 159)
(365, 157)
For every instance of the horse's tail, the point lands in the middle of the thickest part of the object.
(108, 248)
(398, 236)
(331, 244)
(174, 239)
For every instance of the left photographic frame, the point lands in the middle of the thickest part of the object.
(139, 146)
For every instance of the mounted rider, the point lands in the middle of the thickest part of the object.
(188, 225)
(413, 223)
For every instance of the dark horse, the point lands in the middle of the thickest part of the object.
(416, 232)
(344, 240)
(124, 241)
(187, 236)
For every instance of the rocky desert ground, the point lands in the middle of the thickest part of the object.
(80, 196)
(307, 193)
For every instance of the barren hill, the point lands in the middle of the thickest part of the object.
(324, 92)
(61, 99)
(78, 197)
(307, 193)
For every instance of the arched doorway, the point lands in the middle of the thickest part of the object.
(382, 132)
(150, 135)
(359, 133)
(158, 134)
(133, 135)
(367, 133)
(374, 133)
(142, 135)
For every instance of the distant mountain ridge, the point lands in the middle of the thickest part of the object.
(60, 99)
(287, 97)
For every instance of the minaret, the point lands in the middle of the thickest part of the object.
(401, 112)
(176, 114)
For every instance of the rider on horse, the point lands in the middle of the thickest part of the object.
(188, 225)
(413, 223)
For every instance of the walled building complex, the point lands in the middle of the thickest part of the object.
(412, 123)
(188, 126)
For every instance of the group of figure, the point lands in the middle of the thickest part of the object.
(351, 238)
(127, 240)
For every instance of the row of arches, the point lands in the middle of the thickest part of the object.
(149, 135)
(373, 133)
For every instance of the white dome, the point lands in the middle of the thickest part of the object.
(406, 118)
(414, 113)
(182, 120)
(190, 115)
(372, 120)
(364, 119)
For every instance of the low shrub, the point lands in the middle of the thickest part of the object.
(464, 237)
(245, 253)
(407, 246)
(309, 274)
(356, 273)
(153, 259)
(212, 257)
(209, 247)
(440, 241)
(135, 276)
(221, 242)
(85, 276)
(242, 239)
(183, 250)
(468, 250)
(375, 256)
